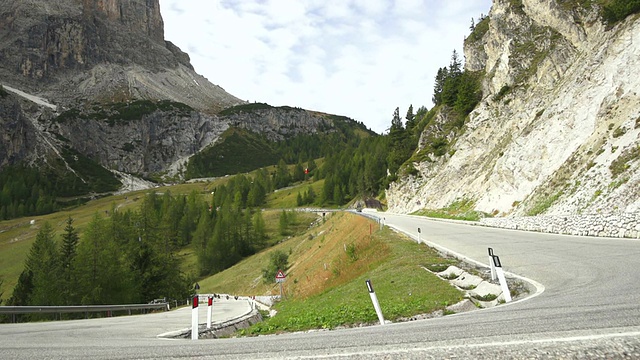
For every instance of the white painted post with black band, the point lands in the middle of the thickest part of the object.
(209, 311)
(419, 240)
(374, 299)
(194, 318)
(493, 268)
(503, 280)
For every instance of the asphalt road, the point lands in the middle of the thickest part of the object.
(588, 307)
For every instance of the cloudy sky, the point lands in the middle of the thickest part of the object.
(358, 58)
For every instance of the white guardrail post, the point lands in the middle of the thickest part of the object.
(493, 268)
(503, 280)
(374, 299)
(209, 311)
(194, 318)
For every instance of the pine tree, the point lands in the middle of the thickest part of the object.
(298, 172)
(68, 249)
(455, 67)
(452, 81)
(102, 275)
(441, 78)
(309, 196)
(23, 291)
(259, 228)
(282, 177)
(257, 195)
(469, 94)
(398, 150)
(338, 196)
(410, 117)
(201, 239)
(327, 190)
(43, 262)
(283, 223)
(396, 122)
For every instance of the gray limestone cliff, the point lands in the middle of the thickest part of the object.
(558, 128)
(65, 64)
(75, 51)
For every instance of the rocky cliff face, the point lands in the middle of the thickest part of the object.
(91, 60)
(74, 51)
(558, 128)
(278, 123)
(16, 133)
(137, 16)
(149, 144)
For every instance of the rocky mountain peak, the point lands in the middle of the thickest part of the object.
(104, 51)
(135, 15)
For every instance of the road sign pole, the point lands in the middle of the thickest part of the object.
(374, 299)
(503, 280)
(209, 312)
(493, 268)
(194, 318)
(280, 278)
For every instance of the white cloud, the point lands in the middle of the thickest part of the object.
(359, 58)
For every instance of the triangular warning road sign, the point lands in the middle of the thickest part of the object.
(280, 275)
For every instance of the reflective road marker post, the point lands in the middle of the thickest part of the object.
(209, 310)
(493, 268)
(503, 281)
(374, 299)
(419, 235)
(194, 318)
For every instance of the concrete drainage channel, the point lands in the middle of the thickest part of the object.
(479, 292)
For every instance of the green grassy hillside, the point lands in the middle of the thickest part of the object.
(325, 285)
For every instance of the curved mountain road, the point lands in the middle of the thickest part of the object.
(590, 307)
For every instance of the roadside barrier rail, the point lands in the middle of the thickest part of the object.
(80, 309)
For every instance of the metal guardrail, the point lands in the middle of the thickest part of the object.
(14, 310)
(78, 309)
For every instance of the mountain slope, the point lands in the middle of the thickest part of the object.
(557, 130)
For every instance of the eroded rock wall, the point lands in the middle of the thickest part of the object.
(566, 115)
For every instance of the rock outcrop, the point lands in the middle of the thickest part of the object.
(76, 51)
(148, 144)
(88, 57)
(16, 132)
(558, 128)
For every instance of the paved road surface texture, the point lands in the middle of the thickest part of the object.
(590, 308)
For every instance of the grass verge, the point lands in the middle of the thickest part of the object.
(390, 260)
